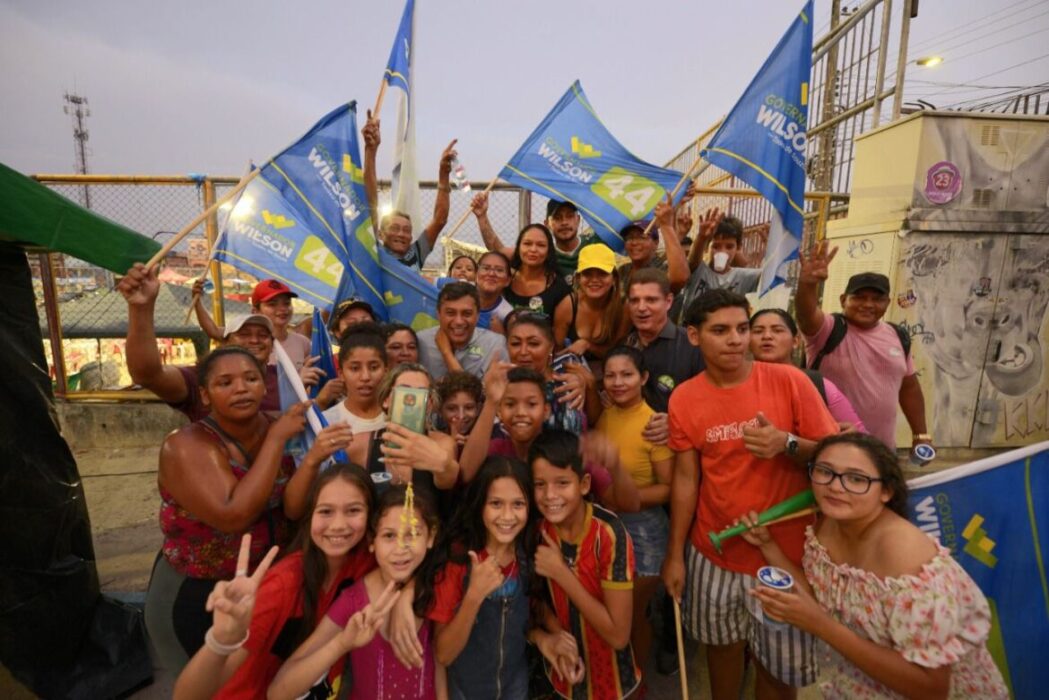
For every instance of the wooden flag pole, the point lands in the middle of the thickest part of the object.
(162, 253)
(677, 188)
(379, 99)
(680, 650)
(466, 214)
(204, 275)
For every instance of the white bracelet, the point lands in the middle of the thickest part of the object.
(223, 649)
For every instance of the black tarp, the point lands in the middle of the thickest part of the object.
(58, 635)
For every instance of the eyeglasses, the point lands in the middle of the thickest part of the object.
(494, 269)
(852, 482)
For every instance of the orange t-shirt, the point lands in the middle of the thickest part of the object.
(710, 420)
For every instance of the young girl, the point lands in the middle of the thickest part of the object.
(459, 397)
(481, 602)
(463, 268)
(493, 275)
(898, 615)
(588, 562)
(326, 556)
(362, 366)
(650, 467)
(400, 540)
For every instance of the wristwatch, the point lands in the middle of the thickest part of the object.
(792, 444)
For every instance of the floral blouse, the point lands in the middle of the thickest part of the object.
(936, 618)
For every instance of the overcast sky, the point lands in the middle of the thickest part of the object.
(195, 86)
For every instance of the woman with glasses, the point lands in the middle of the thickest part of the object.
(898, 615)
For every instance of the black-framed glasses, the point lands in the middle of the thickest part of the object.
(852, 482)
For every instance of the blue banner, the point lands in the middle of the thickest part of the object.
(410, 298)
(994, 516)
(399, 66)
(571, 156)
(292, 391)
(320, 176)
(320, 347)
(404, 179)
(762, 141)
(265, 237)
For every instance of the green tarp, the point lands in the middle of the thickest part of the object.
(31, 213)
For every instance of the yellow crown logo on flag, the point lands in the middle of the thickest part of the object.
(584, 150)
(977, 543)
(277, 221)
(355, 173)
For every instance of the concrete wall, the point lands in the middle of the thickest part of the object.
(90, 425)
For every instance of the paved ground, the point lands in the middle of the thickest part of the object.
(122, 498)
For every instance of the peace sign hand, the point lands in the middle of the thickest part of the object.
(231, 602)
(363, 624)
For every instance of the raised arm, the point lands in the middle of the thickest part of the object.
(708, 224)
(372, 138)
(677, 265)
(443, 203)
(197, 474)
(479, 206)
(211, 329)
(476, 448)
(814, 271)
(140, 288)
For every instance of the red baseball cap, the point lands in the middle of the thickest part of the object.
(267, 289)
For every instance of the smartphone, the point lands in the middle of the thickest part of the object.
(408, 407)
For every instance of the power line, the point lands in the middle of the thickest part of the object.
(1001, 70)
(978, 24)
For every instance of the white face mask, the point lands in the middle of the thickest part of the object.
(720, 262)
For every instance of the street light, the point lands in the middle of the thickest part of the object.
(930, 61)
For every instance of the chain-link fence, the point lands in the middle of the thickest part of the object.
(84, 319)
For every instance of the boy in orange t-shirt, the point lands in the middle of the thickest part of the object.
(743, 430)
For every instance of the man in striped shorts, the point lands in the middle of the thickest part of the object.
(738, 430)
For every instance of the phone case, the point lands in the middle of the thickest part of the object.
(408, 408)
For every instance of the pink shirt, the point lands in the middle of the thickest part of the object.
(868, 366)
(839, 406)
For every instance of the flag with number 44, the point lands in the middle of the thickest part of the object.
(572, 157)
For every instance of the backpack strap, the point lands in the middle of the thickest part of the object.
(817, 379)
(905, 338)
(837, 334)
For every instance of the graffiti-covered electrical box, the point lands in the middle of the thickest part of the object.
(954, 208)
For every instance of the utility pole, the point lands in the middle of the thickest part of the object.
(76, 107)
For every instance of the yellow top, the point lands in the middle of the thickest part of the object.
(623, 427)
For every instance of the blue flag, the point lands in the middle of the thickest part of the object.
(320, 347)
(762, 142)
(993, 515)
(265, 237)
(292, 392)
(571, 156)
(320, 176)
(404, 179)
(410, 298)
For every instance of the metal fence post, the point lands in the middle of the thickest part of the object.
(211, 226)
(901, 61)
(524, 209)
(54, 323)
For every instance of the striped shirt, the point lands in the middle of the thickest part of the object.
(602, 559)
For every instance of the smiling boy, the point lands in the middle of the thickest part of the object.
(588, 561)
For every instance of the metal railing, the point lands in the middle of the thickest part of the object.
(84, 319)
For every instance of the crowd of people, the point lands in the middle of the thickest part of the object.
(588, 424)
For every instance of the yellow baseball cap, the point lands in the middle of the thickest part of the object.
(596, 256)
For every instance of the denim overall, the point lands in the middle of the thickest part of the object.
(493, 662)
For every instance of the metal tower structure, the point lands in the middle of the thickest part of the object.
(76, 107)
